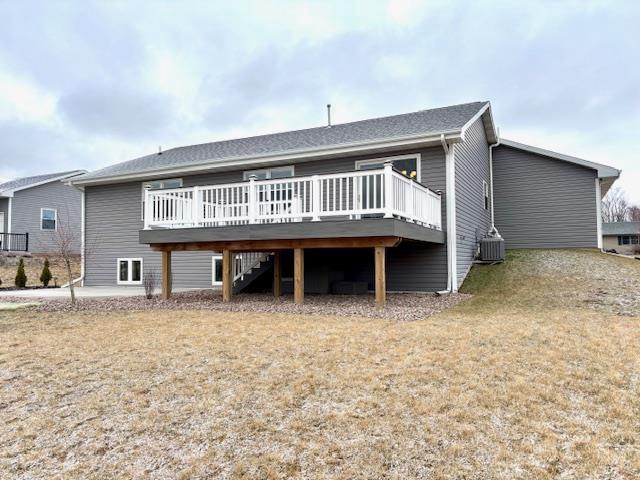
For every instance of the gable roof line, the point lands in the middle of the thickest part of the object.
(487, 117)
(604, 171)
(454, 136)
(372, 133)
(10, 191)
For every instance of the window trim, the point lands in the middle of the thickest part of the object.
(142, 189)
(130, 261)
(417, 156)
(55, 219)
(214, 258)
(247, 173)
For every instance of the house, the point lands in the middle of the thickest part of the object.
(623, 237)
(397, 203)
(32, 208)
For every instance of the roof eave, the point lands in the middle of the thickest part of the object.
(604, 171)
(452, 136)
(11, 192)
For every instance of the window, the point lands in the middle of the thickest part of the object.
(216, 270)
(129, 271)
(408, 165)
(635, 239)
(159, 185)
(48, 218)
(485, 189)
(269, 173)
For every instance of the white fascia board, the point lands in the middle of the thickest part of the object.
(452, 136)
(491, 133)
(604, 171)
(75, 173)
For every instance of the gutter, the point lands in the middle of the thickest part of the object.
(452, 136)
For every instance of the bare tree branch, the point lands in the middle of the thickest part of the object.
(615, 207)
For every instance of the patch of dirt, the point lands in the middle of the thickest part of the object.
(399, 306)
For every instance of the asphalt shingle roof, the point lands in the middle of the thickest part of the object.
(427, 122)
(24, 182)
(620, 228)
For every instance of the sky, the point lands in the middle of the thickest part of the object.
(87, 84)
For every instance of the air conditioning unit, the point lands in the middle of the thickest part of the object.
(492, 249)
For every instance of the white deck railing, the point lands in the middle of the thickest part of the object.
(353, 195)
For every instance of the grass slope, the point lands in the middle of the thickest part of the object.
(522, 381)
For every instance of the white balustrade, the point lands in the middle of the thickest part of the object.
(353, 195)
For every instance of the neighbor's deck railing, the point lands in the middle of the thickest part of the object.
(16, 242)
(383, 192)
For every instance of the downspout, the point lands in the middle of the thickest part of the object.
(493, 231)
(452, 254)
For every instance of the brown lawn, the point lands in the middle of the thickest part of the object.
(525, 380)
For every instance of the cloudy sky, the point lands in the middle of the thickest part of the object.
(84, 85)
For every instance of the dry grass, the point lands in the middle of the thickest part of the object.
(479, 391)
(33, 269)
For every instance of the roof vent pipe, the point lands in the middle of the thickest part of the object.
(159, 149)
(328, 115)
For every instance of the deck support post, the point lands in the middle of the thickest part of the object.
(166, 275)
(380, 275)
(227, 278)
(298, 275)
(277, 274)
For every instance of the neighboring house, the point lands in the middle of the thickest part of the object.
(32, 208)
(623, 237)
(397, 203)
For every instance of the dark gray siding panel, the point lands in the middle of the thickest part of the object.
(4, 208)
(114, 219)
(472, 219)
(542, 202)
(25, 215)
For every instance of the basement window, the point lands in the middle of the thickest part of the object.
(129, 271)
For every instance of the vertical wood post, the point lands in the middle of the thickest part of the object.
(381, 294)
(227, 278)
(277, 274)
(166, 275)
(298, 275)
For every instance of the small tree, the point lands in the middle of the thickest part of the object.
(150, 281)
(21, 277)
(45, 276)
(615, 207)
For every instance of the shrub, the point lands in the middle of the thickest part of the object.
(150, 281)
(45, 276)
(21, 277)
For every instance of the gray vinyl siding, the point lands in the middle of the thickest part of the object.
(25, 215)
(542, 202)
(472, 219)
(113, 220)
(4, 208)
